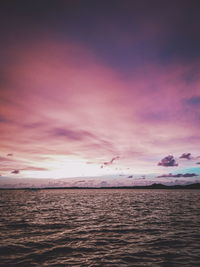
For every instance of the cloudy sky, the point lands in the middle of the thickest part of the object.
(101, 89)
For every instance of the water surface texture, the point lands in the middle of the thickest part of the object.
(100, 228)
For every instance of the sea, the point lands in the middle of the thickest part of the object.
(100, 227)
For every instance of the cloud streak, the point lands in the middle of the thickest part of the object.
(179, 175)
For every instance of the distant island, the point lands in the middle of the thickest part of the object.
(153, 186)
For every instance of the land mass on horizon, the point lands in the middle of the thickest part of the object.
(153, 186)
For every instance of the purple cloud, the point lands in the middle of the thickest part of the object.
(194, 101)
(170, 175)
(156, 116)
(198, 163)
(186, 156)
(168, 161)
(75, 135)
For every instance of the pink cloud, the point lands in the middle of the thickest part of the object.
(61, 100)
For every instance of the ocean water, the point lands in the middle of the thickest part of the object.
(100, 227)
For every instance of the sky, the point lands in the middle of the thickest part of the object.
(99, 93)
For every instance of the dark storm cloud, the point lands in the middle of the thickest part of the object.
(179, 175)
(168, 161)
(186, 156)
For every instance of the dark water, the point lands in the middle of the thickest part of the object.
(100, 228)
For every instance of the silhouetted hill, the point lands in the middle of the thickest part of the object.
(193, 186)
(153, 186)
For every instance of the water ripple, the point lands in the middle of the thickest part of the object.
(100, 228)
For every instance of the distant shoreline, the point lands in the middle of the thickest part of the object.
(153, 186)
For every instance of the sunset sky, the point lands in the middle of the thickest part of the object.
(99, 92)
